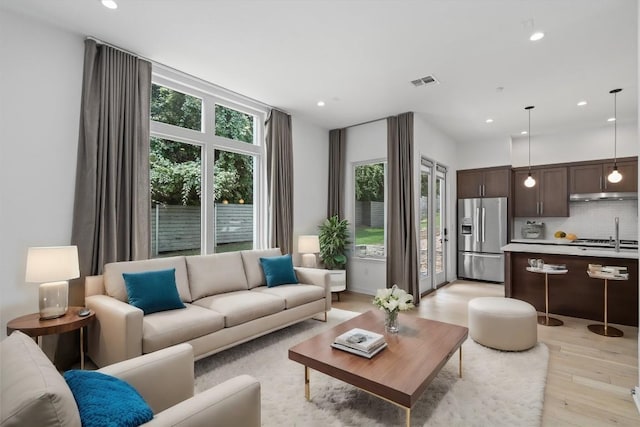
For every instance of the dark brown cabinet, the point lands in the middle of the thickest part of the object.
(548, 198)
(488, 182)
(592, 178)
(574, 293)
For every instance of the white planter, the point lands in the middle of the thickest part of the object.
(338, 281)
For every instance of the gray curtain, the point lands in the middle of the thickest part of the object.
(112, 202)
(279, 146)
(402, 252)
(337, 148)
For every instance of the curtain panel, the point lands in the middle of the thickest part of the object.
(279, 146)
(402, 248)
(337, 149)
(111, 213)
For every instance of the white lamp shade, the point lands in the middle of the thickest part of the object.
(308, 244)
(50, 264)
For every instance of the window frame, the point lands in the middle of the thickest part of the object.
(211, 95)
(355, 165)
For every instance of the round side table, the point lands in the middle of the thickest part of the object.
(606, 330)
(32, 326)
(546, 320)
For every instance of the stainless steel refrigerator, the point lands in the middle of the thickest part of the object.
(482, 231)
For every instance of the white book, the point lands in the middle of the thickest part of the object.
(359, 352)
(360, 339)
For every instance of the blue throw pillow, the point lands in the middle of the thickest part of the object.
(153, 291)
(104, 400)
(278, 270)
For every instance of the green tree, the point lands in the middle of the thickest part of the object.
(370, 182)
(176, 168)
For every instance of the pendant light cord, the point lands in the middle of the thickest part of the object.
(615, 129)
(529, 135)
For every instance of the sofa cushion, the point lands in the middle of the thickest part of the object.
(252, 268)
(167, 328)
(105, 400)
(153, 291)
(114, 282)
(242, 306)
(33, 391)
(215, 274)
(278, 270)
(294, 295)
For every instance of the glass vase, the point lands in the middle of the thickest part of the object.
(391, 322)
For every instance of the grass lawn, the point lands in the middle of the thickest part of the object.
(369, 236)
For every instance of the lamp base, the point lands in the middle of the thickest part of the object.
(309, 260)
(54, 299)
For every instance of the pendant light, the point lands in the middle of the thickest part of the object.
(529, 182)
(615, 176)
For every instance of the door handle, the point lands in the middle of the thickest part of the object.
(541, 208)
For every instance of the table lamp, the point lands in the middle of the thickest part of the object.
(52, 267)
(308, 246)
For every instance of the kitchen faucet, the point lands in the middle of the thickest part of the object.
(617, 242)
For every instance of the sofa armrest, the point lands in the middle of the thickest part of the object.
(116, 334)
(235, 402)
(164, 378)
(93, 285)
(316, 276)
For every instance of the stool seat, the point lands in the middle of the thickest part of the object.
(503, 323)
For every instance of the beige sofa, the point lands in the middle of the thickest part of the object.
(226, 298)
(35, 394)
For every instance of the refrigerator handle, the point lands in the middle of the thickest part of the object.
(483, 223)
(476, 220)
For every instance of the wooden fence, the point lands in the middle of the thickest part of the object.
(177, 228)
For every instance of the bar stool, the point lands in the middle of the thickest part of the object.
(546, 320)
(606, 330)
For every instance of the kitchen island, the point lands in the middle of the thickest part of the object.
(574, 294)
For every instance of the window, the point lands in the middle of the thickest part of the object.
(370, 213)
(206, 162)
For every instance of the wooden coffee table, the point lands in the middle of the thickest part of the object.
(401, 372)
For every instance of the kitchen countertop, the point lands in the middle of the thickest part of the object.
(554, 247)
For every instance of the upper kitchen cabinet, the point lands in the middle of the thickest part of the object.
(592, 177)
(548, 198)
(488, 182)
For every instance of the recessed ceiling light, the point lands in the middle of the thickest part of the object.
(611, 119)
(320, 103)
(489, 121)
(582, 103)
(538, 35)
(524, 132)
(109, 4)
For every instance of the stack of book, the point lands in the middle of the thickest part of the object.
(361, 342)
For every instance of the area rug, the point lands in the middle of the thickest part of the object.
(497, 388)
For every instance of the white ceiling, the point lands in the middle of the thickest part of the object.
(360, 56)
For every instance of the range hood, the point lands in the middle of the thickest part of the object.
(593, 197)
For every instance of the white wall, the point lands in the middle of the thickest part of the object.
(483, 154)
(310, 177)
(578, 145)
(364, 142)
(438, 147)
(40, 90)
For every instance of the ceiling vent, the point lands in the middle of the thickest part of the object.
(427, 80)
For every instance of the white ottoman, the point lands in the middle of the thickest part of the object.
(503, 323)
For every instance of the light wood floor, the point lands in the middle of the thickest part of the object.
(590, 376)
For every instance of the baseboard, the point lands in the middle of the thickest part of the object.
(635, 392)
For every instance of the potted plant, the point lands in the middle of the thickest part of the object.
(333, 237)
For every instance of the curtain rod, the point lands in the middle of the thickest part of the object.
(98, 41)
(365, 123)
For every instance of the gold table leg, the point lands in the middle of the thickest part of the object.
(408, 412)
(546, 320)
(307, 392)
(460, 364)
(605, 330)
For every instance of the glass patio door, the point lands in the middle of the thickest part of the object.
(432, 229)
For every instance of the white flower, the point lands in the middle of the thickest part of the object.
(393, 299)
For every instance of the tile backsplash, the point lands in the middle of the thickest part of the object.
(591, 220)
